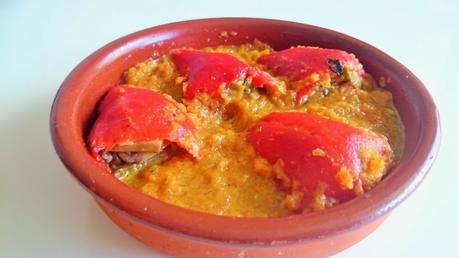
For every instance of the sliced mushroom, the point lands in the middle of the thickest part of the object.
(135, 157)
(139, 151)
(153, 146)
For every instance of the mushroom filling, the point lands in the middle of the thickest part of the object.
(137, 153)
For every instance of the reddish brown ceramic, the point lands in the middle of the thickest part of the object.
(187, 233)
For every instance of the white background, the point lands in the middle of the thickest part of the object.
(45, 213)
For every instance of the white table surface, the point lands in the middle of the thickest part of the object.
(45, 213)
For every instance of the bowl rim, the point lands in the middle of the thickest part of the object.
(309, 226)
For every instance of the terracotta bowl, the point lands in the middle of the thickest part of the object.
(186, 233)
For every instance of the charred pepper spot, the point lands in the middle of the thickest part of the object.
(335, 66)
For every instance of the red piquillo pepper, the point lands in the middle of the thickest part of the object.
(206, 72)
(140, 120)
(310, 65)
(321, 154)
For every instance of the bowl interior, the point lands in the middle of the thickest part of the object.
(75, 104)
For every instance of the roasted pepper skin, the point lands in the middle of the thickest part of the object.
(128, 115)
(310, 66)
(314, 150)
(207, 72)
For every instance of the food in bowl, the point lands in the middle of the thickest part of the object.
(246, 131)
